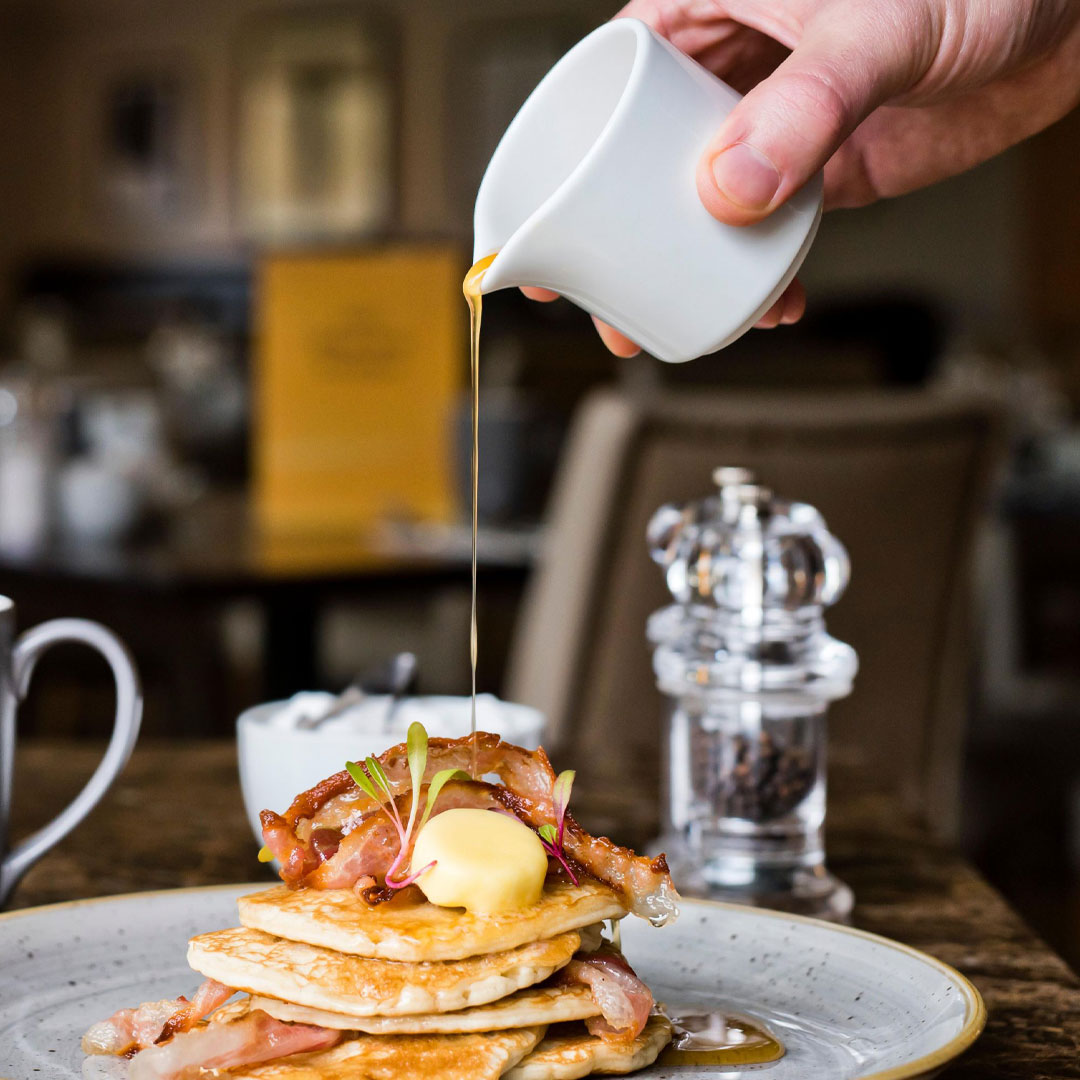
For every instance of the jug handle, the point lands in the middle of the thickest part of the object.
(129, 704)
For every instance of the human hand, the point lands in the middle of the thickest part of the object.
(886, 95)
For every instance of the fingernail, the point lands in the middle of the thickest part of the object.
(745, 177)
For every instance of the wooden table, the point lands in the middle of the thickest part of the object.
(176, 819)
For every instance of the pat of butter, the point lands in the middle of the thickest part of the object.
(485, 861)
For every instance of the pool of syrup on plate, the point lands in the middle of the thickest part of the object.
(718, 1038)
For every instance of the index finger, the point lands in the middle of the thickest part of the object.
(533, 292)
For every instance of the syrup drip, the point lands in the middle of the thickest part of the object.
(720, 1039)
(474, 297)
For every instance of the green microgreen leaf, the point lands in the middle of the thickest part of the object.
(560, 796)
(375, 771)
(560, 792)
(416, 743)
(436, 785)
(362, 780)
(547, 832)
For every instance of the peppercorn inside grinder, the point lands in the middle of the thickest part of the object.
(744, 658)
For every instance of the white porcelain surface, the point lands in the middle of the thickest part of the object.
(592, 192)
(845, 1004)
(279, 760)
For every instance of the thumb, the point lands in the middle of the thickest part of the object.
(791, 123)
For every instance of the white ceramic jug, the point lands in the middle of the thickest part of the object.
(591, 192)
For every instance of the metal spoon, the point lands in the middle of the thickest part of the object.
(352, 695)
(402, 677)
(394, 679)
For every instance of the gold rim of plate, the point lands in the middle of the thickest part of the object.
(975, 1012)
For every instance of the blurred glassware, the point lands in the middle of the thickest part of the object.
(205, 396)
(34, 405)
(744, 656)
(43, 337)
(125, 472)
(95, 502)
(28, 453)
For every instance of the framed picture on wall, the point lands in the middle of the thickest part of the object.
(143, 145)
(317, 127)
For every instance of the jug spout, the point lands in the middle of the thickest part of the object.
(504, 272)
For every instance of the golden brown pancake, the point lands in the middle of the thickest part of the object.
(403, 929)
(566, 1054)
(361, 986)
(403, 1057)
(527, 1008)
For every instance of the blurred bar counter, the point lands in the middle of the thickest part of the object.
(166, 595)
(175, 819)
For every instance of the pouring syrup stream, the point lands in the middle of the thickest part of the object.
(474, 298)
(703, 1040)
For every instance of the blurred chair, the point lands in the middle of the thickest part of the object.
(900, 478)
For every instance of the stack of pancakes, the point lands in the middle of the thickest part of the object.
(424, 990)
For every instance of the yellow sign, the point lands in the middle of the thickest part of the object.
(358, 366)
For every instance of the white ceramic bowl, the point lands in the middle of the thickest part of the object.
(278, 760)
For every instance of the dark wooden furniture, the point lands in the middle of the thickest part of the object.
(175, 819)
(166, 596)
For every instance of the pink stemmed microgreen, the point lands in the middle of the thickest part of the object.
(372, 780)
(551, 836)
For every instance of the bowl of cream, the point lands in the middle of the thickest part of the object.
(281, 757)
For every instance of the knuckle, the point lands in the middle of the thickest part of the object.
(817, 96)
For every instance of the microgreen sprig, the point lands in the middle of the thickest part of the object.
(551, 836)
(372, 780)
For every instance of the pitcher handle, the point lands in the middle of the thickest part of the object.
(129, 704)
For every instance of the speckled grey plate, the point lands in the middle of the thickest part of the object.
(847, 1005)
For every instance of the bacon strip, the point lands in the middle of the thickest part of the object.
(255, 1038)
(623, 999)
(371, 845)
(208, 997)
(153, 1021)
(130, 1029)
(528, 779)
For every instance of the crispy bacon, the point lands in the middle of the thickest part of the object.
(130, 1029)
(208, 997)
(297, 859)
(254, 1038)
(367, 851)
(527, 781)
(623, 999)
(153, 1021)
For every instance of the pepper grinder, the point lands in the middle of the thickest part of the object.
(749, 671)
